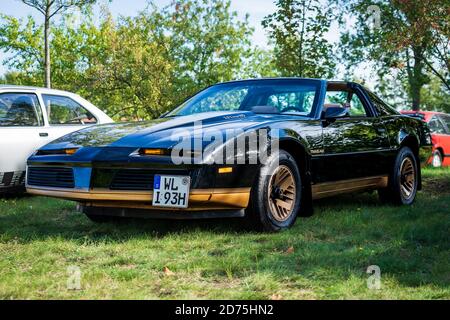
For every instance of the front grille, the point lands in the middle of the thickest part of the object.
(50, 177)
(139, 179)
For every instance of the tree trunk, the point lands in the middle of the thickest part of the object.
(415, 95)
(47, 49)
(416, 78)
(300, 53)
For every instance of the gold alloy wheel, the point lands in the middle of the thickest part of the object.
(281, 193)
(407, 178)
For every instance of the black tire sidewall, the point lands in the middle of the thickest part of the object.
(260, 198)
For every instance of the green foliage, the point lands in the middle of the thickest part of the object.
(401, 47)
(435, 97)
(298, 29)
(50, 8)
(208, 42)
(139, 67)
(122, 66)
(22, 39)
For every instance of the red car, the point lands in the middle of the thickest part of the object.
(439, 124)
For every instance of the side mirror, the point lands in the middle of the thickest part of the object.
(332, 113)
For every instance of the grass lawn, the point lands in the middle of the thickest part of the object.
(322, 257)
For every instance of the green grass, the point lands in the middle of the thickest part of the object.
(329, 255)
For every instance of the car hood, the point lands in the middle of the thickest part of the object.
(162, 132)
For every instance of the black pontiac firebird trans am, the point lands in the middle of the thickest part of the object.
(322, 138)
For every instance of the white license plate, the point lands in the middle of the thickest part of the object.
(171, 191)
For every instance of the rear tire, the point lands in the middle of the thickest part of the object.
(403, 180)
(436, 160)
(276, 194)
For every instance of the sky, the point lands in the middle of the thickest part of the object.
(257, 10)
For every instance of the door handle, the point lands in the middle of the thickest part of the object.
(43, 134)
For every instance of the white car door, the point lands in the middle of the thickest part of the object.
(22, 131)
(65, 115)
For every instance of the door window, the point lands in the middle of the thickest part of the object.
(66, 111)
(446, 120)
(348, 100)
(436, 126)
(20, 110)
(382, 108)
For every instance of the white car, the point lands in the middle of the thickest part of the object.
(31, 117)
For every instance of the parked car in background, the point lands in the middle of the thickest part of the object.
(439, 124)
(30, 118)
(333, 138)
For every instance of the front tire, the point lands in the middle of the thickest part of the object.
(276, 195)
(403, 180)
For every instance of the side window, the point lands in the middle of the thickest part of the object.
(356, 107)
(20, 110)
(63, 110)
(336, 97)
(436, 126)
(382, 108)
(446, 120)
(348, 100)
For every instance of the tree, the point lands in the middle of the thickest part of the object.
(425, 22)
(433, 97)
(50, 8)
(138, 67)
(23, 39)
(401, 45)
(207, 43)
(133, 70)
(297, 30)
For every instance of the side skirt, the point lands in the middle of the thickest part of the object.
(328, 189)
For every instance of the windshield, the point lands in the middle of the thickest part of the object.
(286, 96)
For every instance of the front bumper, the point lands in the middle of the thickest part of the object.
(110, 178)
(199, 199)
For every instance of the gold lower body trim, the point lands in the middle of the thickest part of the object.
(199, 199)
(328, 189)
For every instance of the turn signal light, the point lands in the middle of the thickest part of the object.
(153, 152)
(70, 151)
(60, 152)
(226, 170)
